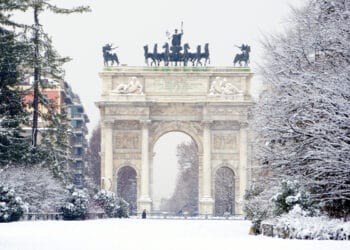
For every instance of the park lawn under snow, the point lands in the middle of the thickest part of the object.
(149, 234)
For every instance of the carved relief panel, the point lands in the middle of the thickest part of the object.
(127, 141)
(224, 142)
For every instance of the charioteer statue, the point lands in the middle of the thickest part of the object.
(108, 56)
(243, 57)
(176, 53)
(176, 44)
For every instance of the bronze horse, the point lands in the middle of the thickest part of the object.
(108, 56)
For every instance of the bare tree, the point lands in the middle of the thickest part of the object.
(185, 196)
(224, 192)
(303, 118)
(93, 156)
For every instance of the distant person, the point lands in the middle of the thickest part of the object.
(143, 216)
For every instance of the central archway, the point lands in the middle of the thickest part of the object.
(175, 174)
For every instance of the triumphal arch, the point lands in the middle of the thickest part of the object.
(210, 104)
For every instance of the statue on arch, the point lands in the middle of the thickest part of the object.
(108, 56)
(244, 56)
(176, 39)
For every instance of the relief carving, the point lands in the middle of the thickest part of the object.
(220, 86)
(175, 110)
(127, 125)
(132, 87)
(225, 111)
(126, 110)
(225, 125)
(127, 141)
(227, 141)
(128, 156)
(175, 126)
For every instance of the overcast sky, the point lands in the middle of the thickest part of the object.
(130, 24)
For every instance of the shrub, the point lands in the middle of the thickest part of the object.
(76, 206)
(290, 194)
(255, 206)
(298, 225)
(113, 206)
(11, 206)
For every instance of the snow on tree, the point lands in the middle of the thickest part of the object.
(37, 187)
(43, 63)
(76, 205)
(14, 147)
(224, 192)
(93, 156)
(185, 196)
(113, 206)
(303, 117)
(11, 206)
(127, 187)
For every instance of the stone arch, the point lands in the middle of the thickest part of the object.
(224, 190)
(189, 128)
(127, 185)
(182, 100)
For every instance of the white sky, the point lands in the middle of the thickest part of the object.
(165, 168)
(130, 24)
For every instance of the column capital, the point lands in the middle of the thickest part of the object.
(107, 124)
(207, 123)
(243, 125)
(145, 123)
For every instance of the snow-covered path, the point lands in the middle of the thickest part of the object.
(149, 234)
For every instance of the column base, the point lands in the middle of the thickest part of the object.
(144, 203)
(206, 206)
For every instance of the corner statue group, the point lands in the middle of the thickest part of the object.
(243, 57)
(108, 56)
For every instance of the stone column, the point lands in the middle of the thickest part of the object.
(206, 202)
(243, 161)
(145, 201)
(107, 145)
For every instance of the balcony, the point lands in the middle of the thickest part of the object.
(77, 116)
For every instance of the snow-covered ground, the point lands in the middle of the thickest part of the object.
(149, 234)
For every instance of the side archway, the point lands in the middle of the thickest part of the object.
(224, 191)
(127, 187)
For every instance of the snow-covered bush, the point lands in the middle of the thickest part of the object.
(289, 195)
(37, 186)
(76, 206)
(113, 206)
(11, 206)
(297, 225)
(255, 206)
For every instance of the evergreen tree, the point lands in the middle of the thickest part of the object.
(14, 147)
(44, 63)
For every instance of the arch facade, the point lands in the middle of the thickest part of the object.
(208, 104)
